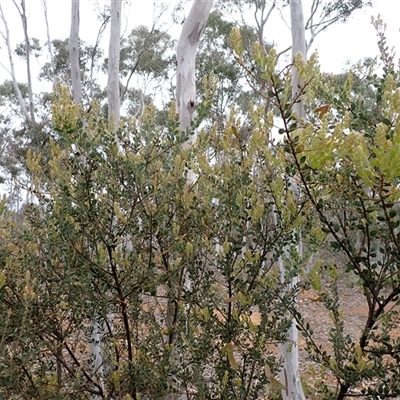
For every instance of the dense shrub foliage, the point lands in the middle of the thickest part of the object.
(119, 252)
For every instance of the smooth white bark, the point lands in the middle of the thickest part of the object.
(22, 14)
(113, 94)
(192, 29)
(96, 340)
(186, 63)
(298, 46)
(189, 39)
(74, 53)
(288, 351)
(113, 90)
(49, 46)
(6, 37)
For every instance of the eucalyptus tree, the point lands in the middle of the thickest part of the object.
(74, 52)
(329, 13)
(356, 155)
(320, 16)
(90, 62)
(49, 44)
(6, 37)
(101, 362)
(27, 121)
(290, 375)
(186, 104)
(151, 190)
(147, 67)
(24, 20)
(215, 56)
(192, 30)
(95, 342)
(113, 85)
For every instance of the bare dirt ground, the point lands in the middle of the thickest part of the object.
(355, 310)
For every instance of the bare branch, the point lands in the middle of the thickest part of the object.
(314, 8)
(17, 7)
(330, 14)
(49, 45)
(144, 49)
(283, 18)
(100, 32)
(6, 36)
(261, 23)
(283, 51)
(28, 58)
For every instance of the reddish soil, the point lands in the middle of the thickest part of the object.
(355, 311)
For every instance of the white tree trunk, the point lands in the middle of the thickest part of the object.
(28, 59)
(288, 351)
(113, 63)
(74, 53)
(95, 351)
(289, 375)
(192, 30)
(186, 56)
(103, 364)
(6, 38)
(49, 45)
(298, 46)
(96, 340)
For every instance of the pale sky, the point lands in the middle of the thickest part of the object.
(341, 43)
(357, 38)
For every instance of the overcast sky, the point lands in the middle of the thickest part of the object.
(340, 44)
(357, 38)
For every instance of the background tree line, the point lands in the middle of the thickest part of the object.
(144, 248)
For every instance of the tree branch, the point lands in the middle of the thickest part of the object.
(10, 57)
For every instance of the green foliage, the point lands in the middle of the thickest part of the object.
(34, 47)
(116, 232)
(344, 158)
(146, 52)
(89, 61)
(215, 56)
(114, 229)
